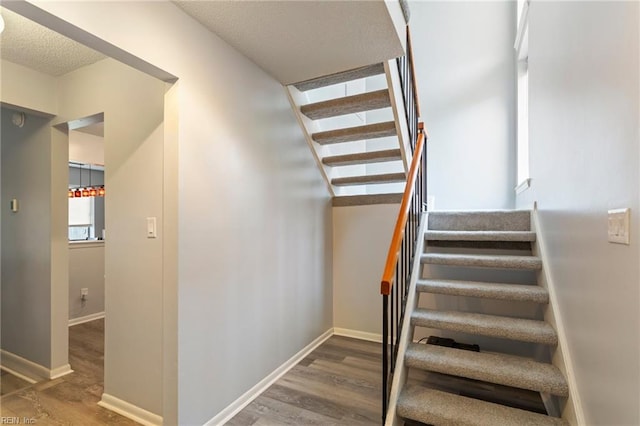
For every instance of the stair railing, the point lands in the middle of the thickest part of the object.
(402, 250)
(396, 277)
(407, 72)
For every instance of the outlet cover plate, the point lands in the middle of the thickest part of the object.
(619, 226)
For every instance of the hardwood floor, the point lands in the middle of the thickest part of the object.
(72, 399)
(10, 383)
(337, 384)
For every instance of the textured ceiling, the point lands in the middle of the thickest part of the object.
(29, 44)
(300, 40)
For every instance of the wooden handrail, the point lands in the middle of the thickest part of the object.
(398, 232)
(413, 71)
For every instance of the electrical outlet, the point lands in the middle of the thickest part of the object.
(84, 292)
(619, 226)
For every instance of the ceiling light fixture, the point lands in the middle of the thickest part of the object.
(88, 191)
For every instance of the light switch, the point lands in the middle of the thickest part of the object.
(14, 205)
(151, 227)
(619, 226)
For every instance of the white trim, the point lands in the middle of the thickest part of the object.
(86, 318)
(406, 335)
(397, 106)
(308, 126)
(20, 376)
(236, 406)
(130, 411)
(29, 370)
(60, 371)
(523, 186)
(356, 334)
(521, 42)
(562, 359)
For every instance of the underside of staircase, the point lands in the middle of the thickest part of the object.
(355, 125)
(478, 285)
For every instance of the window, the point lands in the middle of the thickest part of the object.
(522, 54)
(81, 222)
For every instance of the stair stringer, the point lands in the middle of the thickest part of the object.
(572, 411)
(406, 335)
(308, 126)
(399, 111)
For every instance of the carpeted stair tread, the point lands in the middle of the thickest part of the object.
(444, 409)
(357, 133)
(495, 368)
(511, 236)
(363, 158)
(496, 220)
(340, 77)
(487, 325)
(369, 179)
(347, 105)
(366, 199)
(500, 291)
(483, 261)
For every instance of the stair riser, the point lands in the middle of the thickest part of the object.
(495, 294)
(485, 245)
(528, 264)
(486, 331)
(369, 180)
(524, 380)
(352, 134)
(342, 77)
(443, 409)
(363, 158)
(480, 221)
(349, 105)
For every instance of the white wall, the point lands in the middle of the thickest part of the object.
(37, 92)
(254, 223)
(361, 238)
(85, 148)
(133, 107)
(584, 159)
(466, 79)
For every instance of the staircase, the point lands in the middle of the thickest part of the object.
(356, 126)
(477, 285)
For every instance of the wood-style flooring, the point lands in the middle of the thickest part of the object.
(339, 383)
(71, 399)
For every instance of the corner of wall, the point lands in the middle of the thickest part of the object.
(572, 412)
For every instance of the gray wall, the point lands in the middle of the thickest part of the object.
(253, 217)
(86, 270)
(466, 78)
(584, 158)
(26, 240)
(361, 238)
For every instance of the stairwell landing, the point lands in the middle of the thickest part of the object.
(355, 125)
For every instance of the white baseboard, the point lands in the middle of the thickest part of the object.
(563, 358)
(60, 371)
(130, 411)
(236, 406)
(29, 370)
(356, 334)
(86, 318)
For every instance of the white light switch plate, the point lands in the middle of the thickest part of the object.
(619, 226)
(151, 227)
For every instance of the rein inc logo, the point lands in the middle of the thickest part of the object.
(5, 420)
